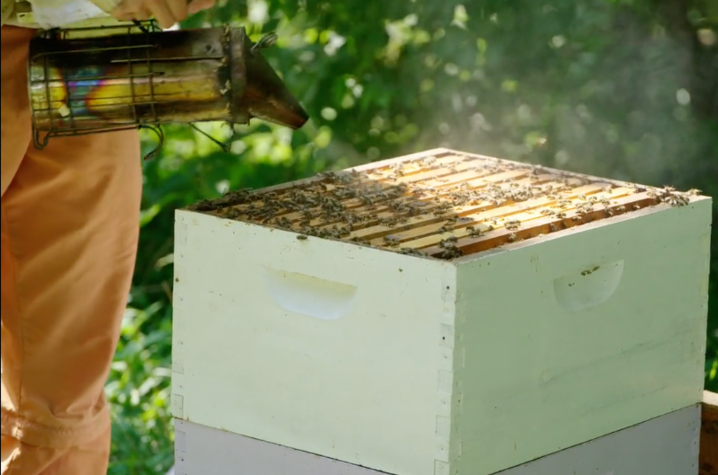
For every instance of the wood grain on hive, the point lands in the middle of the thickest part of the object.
(521, 311)
(444, 204)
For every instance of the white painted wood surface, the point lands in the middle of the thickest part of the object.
(415, 366)
(583, 334)
(324, 346)
(667, 445)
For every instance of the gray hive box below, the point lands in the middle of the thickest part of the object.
(665, 445)
(521, 311)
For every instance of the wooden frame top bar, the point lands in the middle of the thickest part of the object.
(440, 203)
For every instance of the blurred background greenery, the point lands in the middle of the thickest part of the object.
(626, 89)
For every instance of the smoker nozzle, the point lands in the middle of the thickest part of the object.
(266, 95)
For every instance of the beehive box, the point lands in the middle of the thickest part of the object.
(439, 313)
(666, 445)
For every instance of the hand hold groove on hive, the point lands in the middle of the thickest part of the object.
(443, 205)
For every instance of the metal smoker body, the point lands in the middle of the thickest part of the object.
(81, 83)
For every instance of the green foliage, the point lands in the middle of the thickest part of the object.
(139, 393)
(626, 89)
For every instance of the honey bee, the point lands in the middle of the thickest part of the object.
(283, 222)
(391, 241)
(512, 224)
(474, 232)
(411, 251)
(450, 250)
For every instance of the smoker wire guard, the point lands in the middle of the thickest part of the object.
(235, 40)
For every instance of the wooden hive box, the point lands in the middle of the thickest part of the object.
(440, 313)
(666, 445)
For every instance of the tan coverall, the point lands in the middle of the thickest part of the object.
(70, 218)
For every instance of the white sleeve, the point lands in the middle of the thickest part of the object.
(57, 14)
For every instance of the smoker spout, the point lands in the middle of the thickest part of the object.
(267, 97)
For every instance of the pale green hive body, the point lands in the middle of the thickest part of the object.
(418, 366)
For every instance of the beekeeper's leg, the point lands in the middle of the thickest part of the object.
(69, 235)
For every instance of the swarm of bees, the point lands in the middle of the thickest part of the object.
(381, 207)
(450, 250)
(674, 198)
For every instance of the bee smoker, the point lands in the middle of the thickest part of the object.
(92, 80)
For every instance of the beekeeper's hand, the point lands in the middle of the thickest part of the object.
(166, 12)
